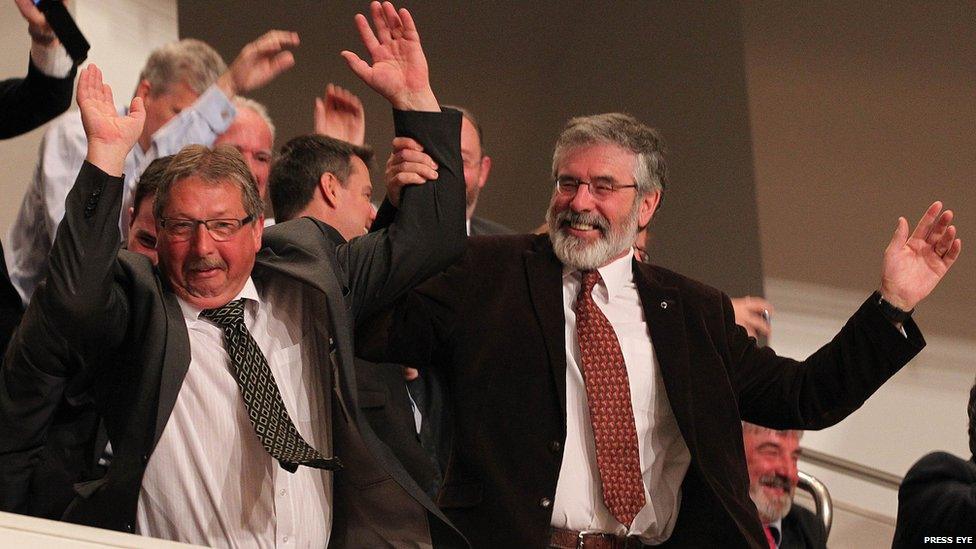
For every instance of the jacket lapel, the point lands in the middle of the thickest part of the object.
(544, 273)
(664, 315)
(176, 361)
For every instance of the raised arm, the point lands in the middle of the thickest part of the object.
(427, 231)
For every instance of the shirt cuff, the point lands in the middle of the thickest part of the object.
(216, 109)
(52, 59)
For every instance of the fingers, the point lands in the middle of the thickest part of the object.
(937, 231)
(274, 41)
(30, 12)
(380, 21)
(928, 218)
(409, 27)
(366, 34)
(136, 108)
(410, 374)
(406, 143)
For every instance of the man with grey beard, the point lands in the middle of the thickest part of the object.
(771, 457)
(597, 399)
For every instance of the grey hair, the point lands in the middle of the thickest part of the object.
(222, 164)
(189, 60)
(623, 130)
(242, 102)
(759, 429)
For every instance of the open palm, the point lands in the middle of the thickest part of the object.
(399, 70)
(914, 265)
(110, 135)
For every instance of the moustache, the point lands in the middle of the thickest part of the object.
(776, 481)
(569, 217)
(205, 263)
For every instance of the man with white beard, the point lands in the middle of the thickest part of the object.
(596, 399)
(771, 457)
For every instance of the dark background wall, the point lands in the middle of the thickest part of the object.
(524, 69)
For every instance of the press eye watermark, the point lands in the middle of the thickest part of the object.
(959, 540)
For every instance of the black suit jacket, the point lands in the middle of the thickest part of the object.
(111, 310)
(937, 498)
(493, 325)
(801, 529)
(26, 103)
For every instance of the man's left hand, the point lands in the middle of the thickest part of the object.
(914, 265)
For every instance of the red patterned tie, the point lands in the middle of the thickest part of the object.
(769, 537)
(608, 397)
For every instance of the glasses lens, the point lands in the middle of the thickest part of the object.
(223, 229)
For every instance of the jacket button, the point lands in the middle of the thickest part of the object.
(545, 503)
(129, 527)
(145, 458)
(555, 446)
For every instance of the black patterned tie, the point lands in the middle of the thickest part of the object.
(262, 399)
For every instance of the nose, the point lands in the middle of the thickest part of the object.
(372, 215)
(583, 200)
(201, 241)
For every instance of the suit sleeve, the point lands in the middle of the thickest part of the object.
(26, 103)
(78, 314)
(828, 386)
(427, 232)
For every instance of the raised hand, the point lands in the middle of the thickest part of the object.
(340, 115)
(753, 313)
(399, 69)
(408, 165)
(110, 135)
(914, 265)
(259, 62)
(37, 26)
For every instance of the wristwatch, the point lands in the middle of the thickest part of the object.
(892, 313)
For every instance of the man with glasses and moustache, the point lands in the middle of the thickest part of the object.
(225, 376)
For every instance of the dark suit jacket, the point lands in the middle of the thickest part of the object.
(486, 227)
(493, 325)
(26, 103)
(937, 498)
(802, 530)
(111, 309)
(11, 308)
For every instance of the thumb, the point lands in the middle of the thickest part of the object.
(136, 108)
(358, 66)
(900, 235)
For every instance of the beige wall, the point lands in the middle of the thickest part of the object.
(121, 34)
(862, 112)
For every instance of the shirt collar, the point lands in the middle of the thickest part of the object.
(616, 275)
(192, 312)
(778, 525)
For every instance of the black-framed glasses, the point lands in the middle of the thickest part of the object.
(221, 230)
(600, 187)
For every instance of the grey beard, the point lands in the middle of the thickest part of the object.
(770, 510)
(582, 255)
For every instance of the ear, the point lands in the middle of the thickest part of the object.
(648, 205)
(329, 189)
(144, 90)
(132, 215)
(485, 169)
(258, 232)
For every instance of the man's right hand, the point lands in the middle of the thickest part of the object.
(110, 136)
(259, 62)
(753, 314)
(340, 115)
(399, 70)
(408, 165)
(37, 26)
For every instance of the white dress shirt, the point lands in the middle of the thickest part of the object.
(52, 59)
(209, 480)
(664, 457)
(63, 151)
